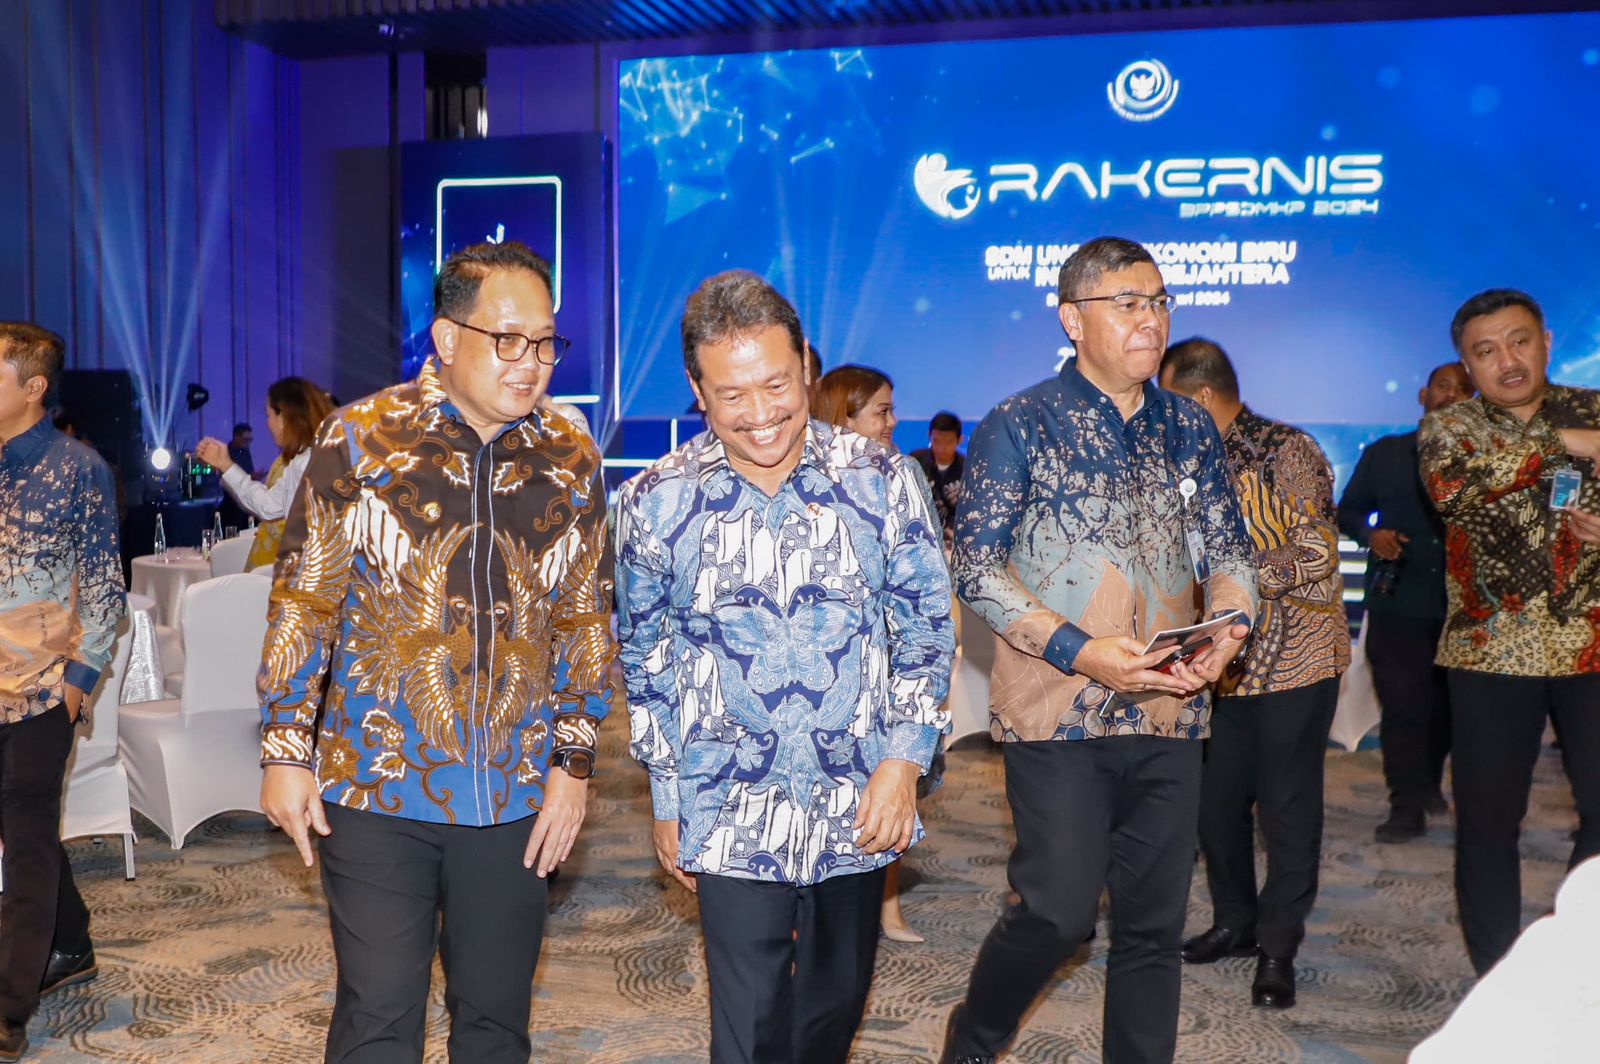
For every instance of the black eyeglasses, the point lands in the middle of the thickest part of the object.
(510, 346)
(1128, 303)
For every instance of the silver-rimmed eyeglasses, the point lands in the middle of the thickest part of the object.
(1132, 303)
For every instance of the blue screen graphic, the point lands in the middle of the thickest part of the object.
(1320, 200)
(550, 193)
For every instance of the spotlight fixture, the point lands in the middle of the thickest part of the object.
(161, 459)
(197, 397)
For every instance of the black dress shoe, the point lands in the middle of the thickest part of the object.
(1403, 824)
(68, 969)
(1274, 985)
(1435, 805)
(1218, 943)
(13, 1041)
(948, 1054)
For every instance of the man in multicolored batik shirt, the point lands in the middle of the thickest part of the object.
(784, 609)
(1522, 640)
(1274, 708)
(61, 597)
(436, 667)
(1097, 511)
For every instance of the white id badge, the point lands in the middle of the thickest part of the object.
(1564, 488)
(1197, 556)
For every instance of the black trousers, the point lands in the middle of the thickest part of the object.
(390, 884)
(789, 966)
(1115, 813)
(1415, 704)
(1264, 761)
(41, 908)
(1498, 724)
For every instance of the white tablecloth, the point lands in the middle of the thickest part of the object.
(164, 580)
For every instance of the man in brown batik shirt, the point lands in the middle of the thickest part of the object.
(1269, 731)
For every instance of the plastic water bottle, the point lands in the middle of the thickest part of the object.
(161, 539)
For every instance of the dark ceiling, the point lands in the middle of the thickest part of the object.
(305, 29)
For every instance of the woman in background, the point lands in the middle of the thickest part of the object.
(861, 399)
(295, 407)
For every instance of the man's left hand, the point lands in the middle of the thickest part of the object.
(1584, 525)
(74, 701)
(1206, 667)
(555, 829)
(886, 816)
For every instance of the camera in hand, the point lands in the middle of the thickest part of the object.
(1383, 577)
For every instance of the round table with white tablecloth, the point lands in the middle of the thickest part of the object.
(164, 580)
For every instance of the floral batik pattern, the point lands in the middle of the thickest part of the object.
(61, 591)
(1524, 592)
(778, 648)
(1072, 526)
(440, 621)
(1285, 488)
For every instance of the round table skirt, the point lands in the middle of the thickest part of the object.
(164, 581)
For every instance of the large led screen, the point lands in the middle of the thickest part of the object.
(1320, 200)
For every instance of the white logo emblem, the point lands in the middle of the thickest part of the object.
(937, 187)
(1144, 90)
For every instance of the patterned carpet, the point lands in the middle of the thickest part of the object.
(219, 952)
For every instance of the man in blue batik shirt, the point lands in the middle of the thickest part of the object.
(1097, 511)
(60, 600)
(784, 611)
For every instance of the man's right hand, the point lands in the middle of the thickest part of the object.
(665, 835)
(1121, 664)
(1388, 544)
(290, 799)
(215, 454)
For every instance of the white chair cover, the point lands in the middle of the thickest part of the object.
(198, 755)
(1358, 711)
(94, 797)
(969, 678)
(230, 556)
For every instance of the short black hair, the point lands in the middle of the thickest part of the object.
(34, 350)
(1197, 362)
(1441, 368)
(734, 304)
(1489, 302)
(1104, 254)
(944, 421)
(243, 426)
(455, 290)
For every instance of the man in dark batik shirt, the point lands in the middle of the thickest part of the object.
(1522, 640)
